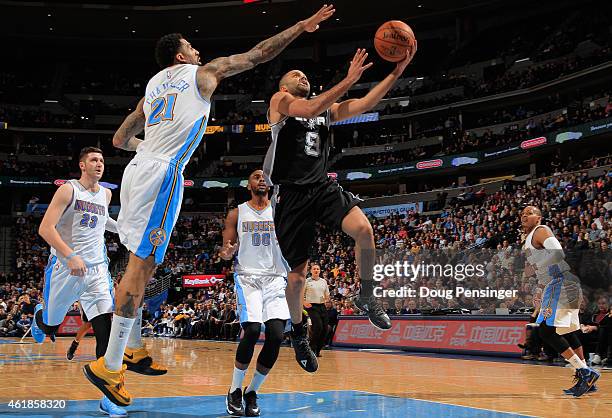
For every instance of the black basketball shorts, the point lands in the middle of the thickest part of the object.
(297, 209)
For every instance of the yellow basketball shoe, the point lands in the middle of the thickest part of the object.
(139, 361)
(110, 383)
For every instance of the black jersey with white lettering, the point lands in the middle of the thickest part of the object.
(299, 152)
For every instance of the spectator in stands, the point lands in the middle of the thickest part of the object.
(23, 325)
(411, 308)
(597, 330)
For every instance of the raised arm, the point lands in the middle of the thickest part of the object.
(354, 107)
(230, 235)
(211, 74)
(287, 104)
(134, 124)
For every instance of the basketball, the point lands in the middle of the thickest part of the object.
(393, 39)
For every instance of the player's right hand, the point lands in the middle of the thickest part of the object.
(77, 266)
(357, 68)
(228, 250)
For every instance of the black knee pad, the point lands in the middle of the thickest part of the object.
(573, 340)
(47, 329)
(550, 336)
(101, 325)
(275, 331)
(244, 353)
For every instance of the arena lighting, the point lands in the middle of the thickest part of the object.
(257, 101)
(522, 60)
(50, 101)
(420, 78)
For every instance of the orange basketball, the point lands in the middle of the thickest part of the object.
(393, 39)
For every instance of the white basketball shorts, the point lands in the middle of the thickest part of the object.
(151, 196)
(260, 298)
(94, 291)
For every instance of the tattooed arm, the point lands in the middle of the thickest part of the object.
(134, 124)
(212, 73)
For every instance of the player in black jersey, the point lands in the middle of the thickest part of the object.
(296, 163)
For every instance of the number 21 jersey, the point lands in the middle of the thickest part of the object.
(176, 114)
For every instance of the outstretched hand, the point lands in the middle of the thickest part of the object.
(357, 68)
(228, 250)
(312, 23)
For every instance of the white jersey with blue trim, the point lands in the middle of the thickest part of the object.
(83, 223)
(176, 114)
(258, 251)
(539, 258)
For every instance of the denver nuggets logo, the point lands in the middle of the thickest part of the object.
(547, 313)
(157, 237)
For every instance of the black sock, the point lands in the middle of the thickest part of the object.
(47, 329)
(297, 329)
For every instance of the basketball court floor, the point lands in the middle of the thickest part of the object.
(349, 383)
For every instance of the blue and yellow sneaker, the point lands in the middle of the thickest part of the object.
(37, 333)
(586, 380)
(571, 390)
(110, 409)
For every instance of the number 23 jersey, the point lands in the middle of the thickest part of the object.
(299, 151)
(83, 223)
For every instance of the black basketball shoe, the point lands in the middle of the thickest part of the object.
(250, 404)
(303, 353)
(233, 403)
(372, 307)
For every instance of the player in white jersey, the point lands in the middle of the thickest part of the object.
(558, 317)
(173, 114)
(74, 226)
(259, 280)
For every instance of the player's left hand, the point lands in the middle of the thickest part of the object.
(312, 23)
(401, 65)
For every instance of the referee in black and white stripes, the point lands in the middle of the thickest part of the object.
(315, 294)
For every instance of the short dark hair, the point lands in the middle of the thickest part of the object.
(167, 48)
(88, 150)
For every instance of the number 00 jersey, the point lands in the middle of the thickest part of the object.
(83, 223)
(176, 114)
(299, 151)
(258, 251)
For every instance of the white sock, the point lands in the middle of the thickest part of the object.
(237, 379)
(135, 338)
(577, 363)
(120, 331)
(256, 383)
